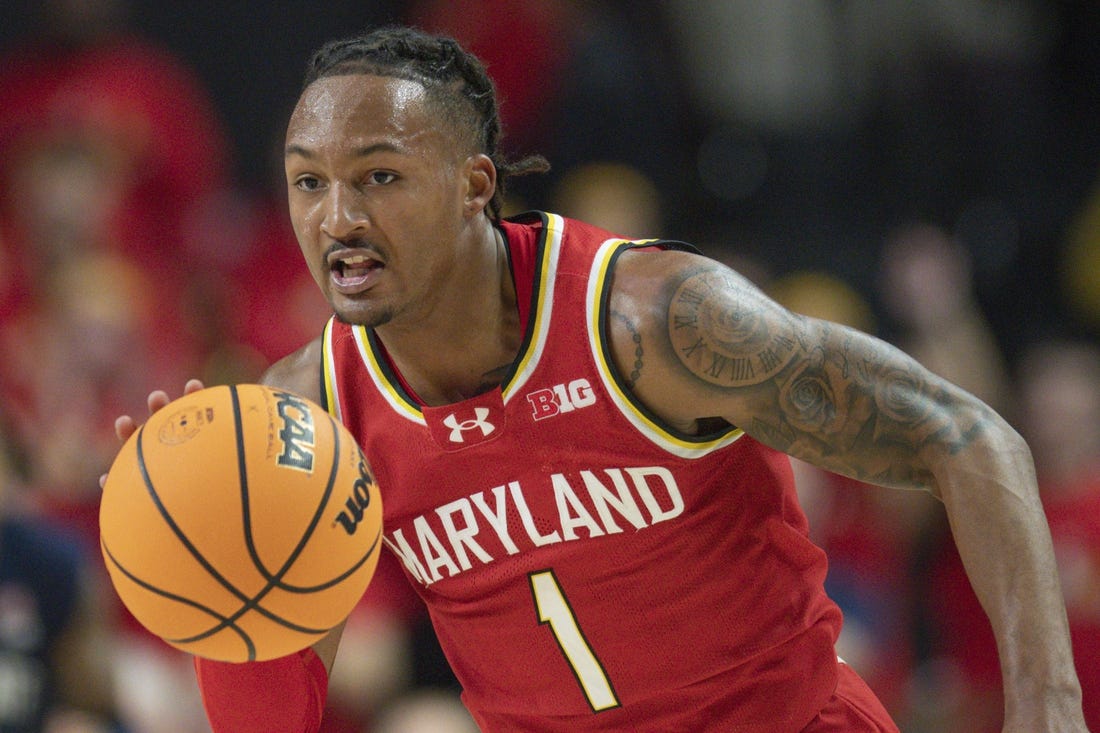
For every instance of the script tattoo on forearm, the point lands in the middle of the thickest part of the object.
(843, 400)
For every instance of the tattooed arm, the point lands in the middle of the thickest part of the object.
(700, 342)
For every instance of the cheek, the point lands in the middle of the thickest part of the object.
(306, 234)
(301, 228)
(305, 224)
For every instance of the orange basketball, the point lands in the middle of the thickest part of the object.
(240, 523)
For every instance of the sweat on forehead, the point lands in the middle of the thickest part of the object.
(443, 102)
(331, 94)
(381, 100)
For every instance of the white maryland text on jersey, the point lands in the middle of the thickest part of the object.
(481, 527)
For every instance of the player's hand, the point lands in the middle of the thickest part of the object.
(126, 425)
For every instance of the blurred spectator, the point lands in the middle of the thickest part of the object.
(157, 690)
(87, 75)
(106, 141)
(54, 654)
(927, 289)
(71, 371)
(58, 197)
(109, 147)
(426, 712)
(614, 196)
(109, 150)
(1080, 267)
(823, 295)
(74, 369)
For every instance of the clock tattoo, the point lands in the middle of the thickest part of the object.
(720, 332)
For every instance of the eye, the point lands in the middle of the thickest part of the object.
(381, 178)
(307, 183)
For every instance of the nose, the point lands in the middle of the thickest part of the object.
(344, 215)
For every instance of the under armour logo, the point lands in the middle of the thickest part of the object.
(479, 422)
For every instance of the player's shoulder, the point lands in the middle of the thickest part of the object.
(652, 271)
(298, 372)
(643, 282)
(663, 295)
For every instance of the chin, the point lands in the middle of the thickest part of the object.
(366, 317)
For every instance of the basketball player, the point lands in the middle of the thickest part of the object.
(580, 442)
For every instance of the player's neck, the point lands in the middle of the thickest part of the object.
(468, 346)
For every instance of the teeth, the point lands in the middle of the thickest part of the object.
(356, 260)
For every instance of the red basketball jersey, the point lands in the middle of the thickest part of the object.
(586, 567)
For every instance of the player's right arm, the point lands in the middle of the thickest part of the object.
(285, 695)
(704, 343)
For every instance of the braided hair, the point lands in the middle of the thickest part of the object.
(455, 80)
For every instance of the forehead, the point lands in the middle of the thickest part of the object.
(357, 110)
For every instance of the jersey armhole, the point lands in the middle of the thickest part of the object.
(633, 408)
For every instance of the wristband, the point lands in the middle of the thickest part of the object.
(284, 695)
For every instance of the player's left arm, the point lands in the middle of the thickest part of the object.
(714, 347)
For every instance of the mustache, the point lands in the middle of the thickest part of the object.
(353, 243)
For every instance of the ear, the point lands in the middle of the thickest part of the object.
(481, 183)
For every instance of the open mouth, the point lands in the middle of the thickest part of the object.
(354, 272)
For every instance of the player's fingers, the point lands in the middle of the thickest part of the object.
(156, 400)
(124, 427)
(193, 385)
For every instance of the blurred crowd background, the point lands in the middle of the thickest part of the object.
(924, 170)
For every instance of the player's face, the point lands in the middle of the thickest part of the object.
(376, 188)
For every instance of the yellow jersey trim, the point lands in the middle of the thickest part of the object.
(539, 319)
(383, 379)
(328, 373)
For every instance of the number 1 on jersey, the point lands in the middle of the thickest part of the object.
(555, 611)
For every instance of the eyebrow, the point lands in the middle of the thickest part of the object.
(363, 152)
